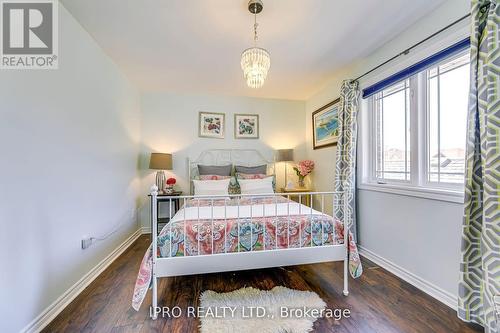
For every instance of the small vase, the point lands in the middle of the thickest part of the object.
(301, 182)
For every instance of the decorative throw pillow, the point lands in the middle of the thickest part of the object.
(256, 186)
(240, 175)
(211, 187)
(212, 177)
(233, 188)
(219, 170)
(260, 169)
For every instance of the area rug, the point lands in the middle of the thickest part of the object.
(250, 310)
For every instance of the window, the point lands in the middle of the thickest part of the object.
(417, 134)
(392, 109)
(448, 91)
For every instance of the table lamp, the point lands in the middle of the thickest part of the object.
(285, 155)
(160, 162)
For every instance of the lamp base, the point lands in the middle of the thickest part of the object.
(161, 181)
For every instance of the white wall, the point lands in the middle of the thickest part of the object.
(420, 235)
(69, 140)
(170, 125)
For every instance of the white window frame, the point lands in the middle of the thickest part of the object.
(424, 91)
(419, 184)
(373, 146)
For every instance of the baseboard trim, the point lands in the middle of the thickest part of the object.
(44, 318)
(146, 230)
(427, 287)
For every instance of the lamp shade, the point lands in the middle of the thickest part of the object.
(160, 161)
(285, 155)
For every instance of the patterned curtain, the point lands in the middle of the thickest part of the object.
(345, 171)
(479, 285)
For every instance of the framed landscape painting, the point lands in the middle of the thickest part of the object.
(325, 123)
(211, 125)
(246, 126)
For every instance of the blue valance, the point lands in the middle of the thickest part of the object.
(419, 66)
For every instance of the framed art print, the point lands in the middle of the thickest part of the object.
(326, 125)
(246, 126)
(211, 125)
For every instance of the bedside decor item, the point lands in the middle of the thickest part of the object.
(211, 125)
(246, 126)
(303, 169)
(160, 162)
(255, 61)
(170, 185)
(285, 155)
(326, 125)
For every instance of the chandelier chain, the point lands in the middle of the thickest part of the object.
(255, 25)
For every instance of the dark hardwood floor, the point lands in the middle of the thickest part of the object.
(379, 301)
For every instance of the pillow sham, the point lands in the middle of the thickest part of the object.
(240, 175)
(212, 177)
(219, 170)
(260, 169)
(233, 188)
(211, 187)
(256, 186)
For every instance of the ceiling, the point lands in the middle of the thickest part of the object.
(194, 46)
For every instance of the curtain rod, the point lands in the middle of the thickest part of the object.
(405, 52)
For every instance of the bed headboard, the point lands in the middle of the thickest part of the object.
(245, 157)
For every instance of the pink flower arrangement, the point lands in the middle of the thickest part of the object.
(303, 169)
(171, 182)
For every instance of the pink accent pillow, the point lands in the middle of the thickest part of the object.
(251, 175)
(213, 177)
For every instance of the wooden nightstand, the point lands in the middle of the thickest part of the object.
(165, 198)
(305, 199)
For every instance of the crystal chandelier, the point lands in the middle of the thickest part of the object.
(255, 61)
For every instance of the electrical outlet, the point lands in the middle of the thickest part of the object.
(86, 242)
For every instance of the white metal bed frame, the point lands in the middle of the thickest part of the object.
(223, 262)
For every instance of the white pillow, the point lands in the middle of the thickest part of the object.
(256, 186)
(211, 187)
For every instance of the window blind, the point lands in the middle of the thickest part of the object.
(419, 66)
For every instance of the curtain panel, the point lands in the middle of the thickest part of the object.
(479, 285)
(345, 166)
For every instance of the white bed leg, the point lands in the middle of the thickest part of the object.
(154, 240)
(346, 276)
(154, 298)
(346, 243)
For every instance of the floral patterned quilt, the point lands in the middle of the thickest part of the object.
(268, 223)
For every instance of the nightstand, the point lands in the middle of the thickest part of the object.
(305, 199)
(165, 198)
